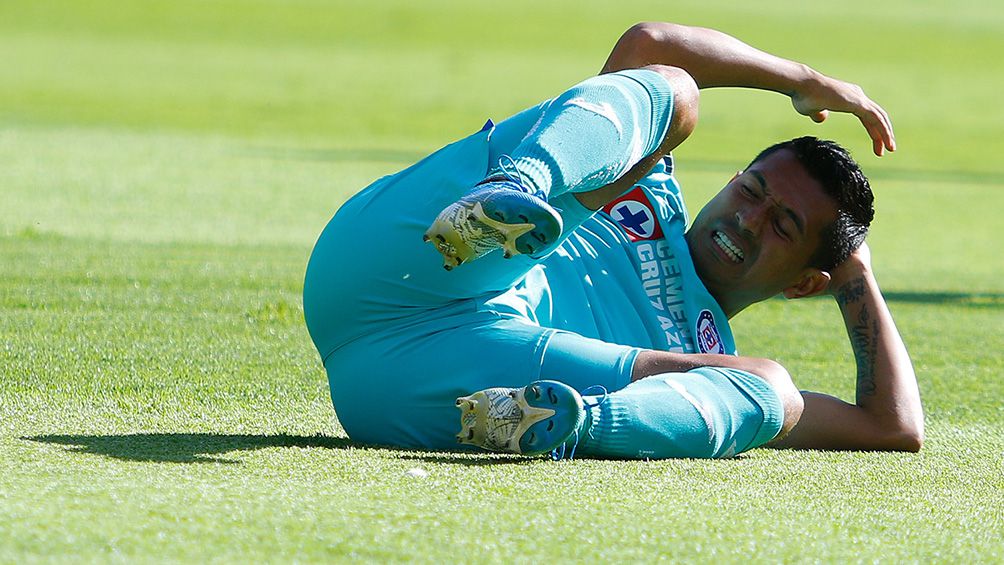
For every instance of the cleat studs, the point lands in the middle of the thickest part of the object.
(470, 434)
(460, 401)
(440, 238)
(550, 425)
(551, 396)
(426, 238)
(536, 391)
(507, 255)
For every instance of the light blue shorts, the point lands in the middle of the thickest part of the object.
(401, 338)
(398, 387)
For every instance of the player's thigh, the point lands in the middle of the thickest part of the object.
(370, 266)
(399, 388)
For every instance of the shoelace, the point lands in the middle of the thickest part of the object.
(507, 167)
(558, 453)
(505, 164)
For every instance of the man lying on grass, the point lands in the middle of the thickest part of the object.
(573, 301)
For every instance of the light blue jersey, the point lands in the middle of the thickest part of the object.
(625, 276)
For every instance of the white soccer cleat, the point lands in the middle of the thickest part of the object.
(532, 420)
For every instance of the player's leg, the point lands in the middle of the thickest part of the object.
(399, 387)
(707, 412)
(369, 265)
(370, 272)
(595, 134)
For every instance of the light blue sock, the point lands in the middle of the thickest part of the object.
(708, 412)
(595, 132)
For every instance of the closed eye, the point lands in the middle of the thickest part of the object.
(781, 230)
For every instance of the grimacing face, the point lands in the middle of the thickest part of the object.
(755, 238)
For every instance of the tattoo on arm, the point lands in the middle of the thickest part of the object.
(851, 292)
(864, 342)
(863, 334)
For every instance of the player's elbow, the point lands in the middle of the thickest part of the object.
(909, 428)
(911, 440)
(639, 46)
(645, 36)
(914, 443)
(904, 436)
(637, 43)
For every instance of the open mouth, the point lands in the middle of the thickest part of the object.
(728, 246)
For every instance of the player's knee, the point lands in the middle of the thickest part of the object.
(791, 399)
(775, 375)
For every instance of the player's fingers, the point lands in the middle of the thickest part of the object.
(875, 133)
(890, 137)
(820, 116)
(877, 130)
(881, 118)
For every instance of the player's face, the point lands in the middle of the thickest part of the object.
(755, 238)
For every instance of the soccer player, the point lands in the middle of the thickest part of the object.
(567, 307)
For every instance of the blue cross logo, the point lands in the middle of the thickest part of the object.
(633, 221)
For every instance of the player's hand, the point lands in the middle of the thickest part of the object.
(855, 266)
(819, 97)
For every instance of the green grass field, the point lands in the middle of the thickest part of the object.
(166, 165)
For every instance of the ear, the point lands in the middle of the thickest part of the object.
(812, 282)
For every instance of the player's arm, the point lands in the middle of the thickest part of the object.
(887, 414)
(716, 59)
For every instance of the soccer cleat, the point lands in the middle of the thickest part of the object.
(532, 420)
(500, 213)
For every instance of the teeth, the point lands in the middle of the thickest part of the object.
(728, 246)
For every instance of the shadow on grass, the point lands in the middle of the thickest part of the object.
(185, 448)
(976, 300)
(477, 458)
(468, 458)
(205, 448)
(992, 300)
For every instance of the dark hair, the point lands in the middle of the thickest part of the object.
(842, 179)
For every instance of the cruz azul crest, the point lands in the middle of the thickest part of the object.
(634, 213)
(708, 338)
